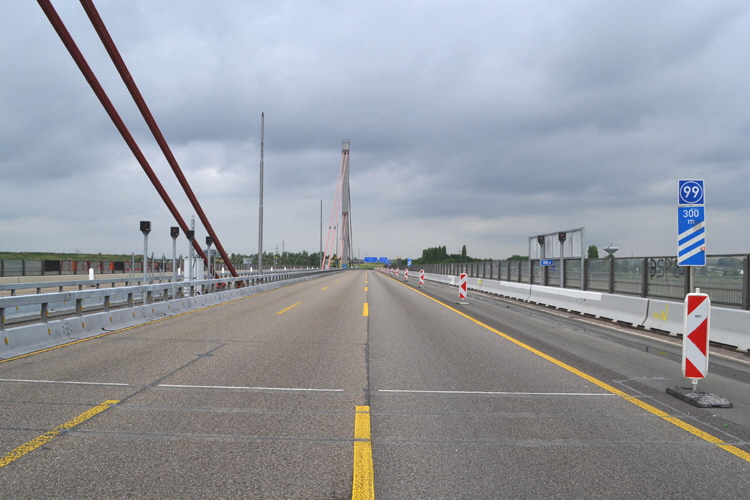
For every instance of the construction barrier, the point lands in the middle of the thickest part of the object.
(695, 339)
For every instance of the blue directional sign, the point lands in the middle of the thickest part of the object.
(383, 260)
(691, 239)
(691, 192)
(547, 262)
(408, 262)
(371, 259)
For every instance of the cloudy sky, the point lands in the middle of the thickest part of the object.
(476, 123)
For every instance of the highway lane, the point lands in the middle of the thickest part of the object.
(459, 410)
(267, 397)
(252, 399)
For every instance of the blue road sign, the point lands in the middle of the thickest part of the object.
(547, 262)
(371, 259)
(691, 236)
(383, 260)
(408, 262)
(691, 192)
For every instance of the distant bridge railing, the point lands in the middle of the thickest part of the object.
(725, 278)
(29, 267)
(60, 303)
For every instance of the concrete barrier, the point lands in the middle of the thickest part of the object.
(728, 326)
(572, 300)
(520, 291)
(665, 315)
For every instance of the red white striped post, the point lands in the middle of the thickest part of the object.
(695, 337)
(406, 275)
(421, 277)
(462, 288)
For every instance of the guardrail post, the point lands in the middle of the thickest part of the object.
(611, 285)
(44, 313)
(644, 277)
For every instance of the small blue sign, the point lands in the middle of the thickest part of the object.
(691, 192)
(691, 237)
(371, 259)
(547, 262)
(408, 262)
(383, 260)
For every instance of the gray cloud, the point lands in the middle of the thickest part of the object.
(476, 124)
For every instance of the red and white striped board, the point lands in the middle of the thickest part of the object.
(421, 277)
(406, 275)
(695, 335)
(462, 287)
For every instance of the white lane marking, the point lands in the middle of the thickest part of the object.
(500, 393)
(247, 388)
(69, 382)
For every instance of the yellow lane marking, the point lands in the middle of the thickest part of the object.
(49, 435)
(365, 289)
(322, 289)
(363, 481)
(651, 409)
(290, 307)
(366, 310)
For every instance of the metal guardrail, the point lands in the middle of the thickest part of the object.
(725, 278)
(40, 306)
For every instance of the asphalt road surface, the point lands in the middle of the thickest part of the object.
(355, 384)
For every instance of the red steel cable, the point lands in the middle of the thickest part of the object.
(122, 68)
(67, 40)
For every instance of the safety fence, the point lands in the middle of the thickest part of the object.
(724, 278)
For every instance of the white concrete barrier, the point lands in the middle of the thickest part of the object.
(520, 291)
(563, 298)
(728, 326)
(624, 308)
(665, 315)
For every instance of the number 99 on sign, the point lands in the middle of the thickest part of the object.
(691, 192)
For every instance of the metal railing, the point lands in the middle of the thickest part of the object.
(725, 278)
(35, 307)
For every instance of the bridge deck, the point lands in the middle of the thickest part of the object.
(264, 397)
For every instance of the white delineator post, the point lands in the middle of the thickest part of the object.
(695, 337)
(421, 277)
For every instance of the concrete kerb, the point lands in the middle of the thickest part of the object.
(26, 339)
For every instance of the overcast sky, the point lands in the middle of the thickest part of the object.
(476, 124)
